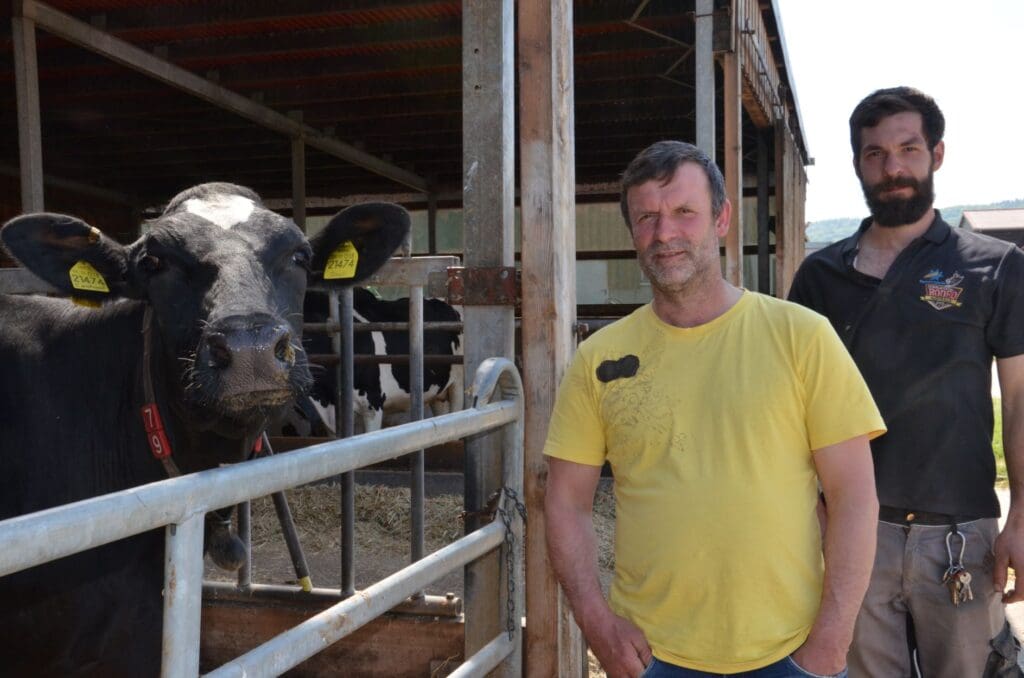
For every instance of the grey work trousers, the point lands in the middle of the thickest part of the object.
(952, 641)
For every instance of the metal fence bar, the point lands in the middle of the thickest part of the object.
(100, 520)
(345, 425)
(183, 597)
(416, 466)
(296, 645)
(428, 325)
(245, 534)
(494, 376)
(486, 659)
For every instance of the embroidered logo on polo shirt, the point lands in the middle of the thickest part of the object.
(941, 292)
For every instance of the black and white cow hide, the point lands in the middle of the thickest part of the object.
(223, 280)
(383, 390)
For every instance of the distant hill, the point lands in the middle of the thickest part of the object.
(830, 230)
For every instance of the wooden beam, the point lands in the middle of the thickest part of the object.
(488, 186)
(554, 644)
(732, 110)
(79, 187)
(298, 177)
(119, 51)
(705, 76)
(763, 258)
(397, 646)
(30, 143)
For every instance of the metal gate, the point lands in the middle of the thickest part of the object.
(181, 503)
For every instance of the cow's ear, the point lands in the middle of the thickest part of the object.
(357, 242)
(68, 253)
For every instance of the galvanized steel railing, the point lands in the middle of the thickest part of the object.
(181, 503)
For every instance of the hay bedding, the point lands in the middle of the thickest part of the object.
(381, 537)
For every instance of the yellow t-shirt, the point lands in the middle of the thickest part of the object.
(717, 548)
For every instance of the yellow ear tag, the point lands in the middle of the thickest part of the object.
(87, 303)
(342, 262)
(85, 277)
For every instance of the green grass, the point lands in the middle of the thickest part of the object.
(997, 444)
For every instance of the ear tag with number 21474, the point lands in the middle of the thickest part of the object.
(85, 277)
(342, 262)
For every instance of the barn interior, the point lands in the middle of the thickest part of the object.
(114, 106)
(137, 100)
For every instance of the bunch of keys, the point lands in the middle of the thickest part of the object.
(956, 577)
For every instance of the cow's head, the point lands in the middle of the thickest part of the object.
(225, 279)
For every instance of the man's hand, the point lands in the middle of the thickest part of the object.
(1009, 546)
(820, 657)
(619, 645)
(1009, 552)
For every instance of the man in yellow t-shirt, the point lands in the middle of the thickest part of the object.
(720, 412)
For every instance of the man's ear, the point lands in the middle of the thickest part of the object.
(938, 155)
(68, 253)
(357, 242)
(724, 217)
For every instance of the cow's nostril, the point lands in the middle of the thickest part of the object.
(283, 349)
(220, 354)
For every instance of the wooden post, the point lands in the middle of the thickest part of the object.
(781, 237)
(488, 213)
(30, 144)
(432, 222)
(764, 277)
(704, 65)
(733, 162)
(554, 644)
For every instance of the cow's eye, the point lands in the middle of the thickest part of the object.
(151, 264)
(302, 258)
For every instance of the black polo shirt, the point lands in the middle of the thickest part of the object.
(924, 338)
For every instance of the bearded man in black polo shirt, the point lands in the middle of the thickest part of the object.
(923, 309)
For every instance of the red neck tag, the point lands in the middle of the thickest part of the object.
(155, 434)
(257, 446)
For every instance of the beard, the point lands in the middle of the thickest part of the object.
(899, 211)
(688, 270)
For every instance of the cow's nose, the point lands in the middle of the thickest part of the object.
(259, 348)
(217, 350)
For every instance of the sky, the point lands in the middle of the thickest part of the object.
(969, 56)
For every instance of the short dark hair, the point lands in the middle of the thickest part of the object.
(885, 102)
(659, 161)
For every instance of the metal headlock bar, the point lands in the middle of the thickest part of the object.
(180, 504)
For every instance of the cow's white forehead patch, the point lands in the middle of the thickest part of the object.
(223, 210)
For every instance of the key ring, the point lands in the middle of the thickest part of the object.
(949, 549)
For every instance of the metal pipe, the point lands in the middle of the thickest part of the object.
(403, 359)
(291, 540)
(245, 534)
(430, 605)
(316, 633)
(183, 597)
(345, 423)
(291, 535)
(100, 520)
(415, 414)
(486, 658)
(429, 326)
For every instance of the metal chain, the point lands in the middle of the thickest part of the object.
(506, 495)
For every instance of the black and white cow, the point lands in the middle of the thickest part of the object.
(222, 281)
(384, 389)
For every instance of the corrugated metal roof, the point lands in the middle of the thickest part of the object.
(384, 75)
(992, 220)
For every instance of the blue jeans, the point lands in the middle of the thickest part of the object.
(784, 668)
